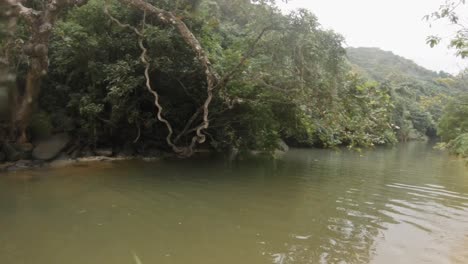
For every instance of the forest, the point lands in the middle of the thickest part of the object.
(134, 77)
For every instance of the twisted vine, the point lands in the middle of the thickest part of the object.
(144, 59)
(213, 81)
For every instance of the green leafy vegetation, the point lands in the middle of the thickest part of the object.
(418, 94)
(450, 12)
(280, 77)
(453, 126)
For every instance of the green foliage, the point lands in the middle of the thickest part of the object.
(449, 12)
(418, 94)
(381, 66)
(459, 146)
(296, 83)
(454, 121)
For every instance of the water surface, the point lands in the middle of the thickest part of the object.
(407, 204)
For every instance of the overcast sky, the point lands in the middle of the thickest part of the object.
(394, 25)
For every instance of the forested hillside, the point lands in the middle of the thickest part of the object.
(419, 95)
(383, 65)
(177, 76)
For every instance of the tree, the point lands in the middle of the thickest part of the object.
(7, 77)
(454, 121)
(448, 12)
(40, 24)
(178, 75)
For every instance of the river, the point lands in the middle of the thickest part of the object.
(405, 204)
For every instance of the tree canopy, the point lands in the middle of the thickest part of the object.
(217, 74)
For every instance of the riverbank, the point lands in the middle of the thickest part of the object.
(62, 150)
(58, 163)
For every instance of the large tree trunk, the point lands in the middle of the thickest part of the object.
(25, 104)
(7, 77)
(40, 23)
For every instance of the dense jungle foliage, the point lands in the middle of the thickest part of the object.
(419, 95)
(453, 124)
(297, 82)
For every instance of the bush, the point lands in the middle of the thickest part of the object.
(454, 121)
(459, 146)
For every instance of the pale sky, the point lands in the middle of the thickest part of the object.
(394, 25)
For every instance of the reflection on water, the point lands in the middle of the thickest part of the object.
(407, 204)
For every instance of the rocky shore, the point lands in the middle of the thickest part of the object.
(60, 150)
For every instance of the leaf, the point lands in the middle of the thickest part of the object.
(433, 41)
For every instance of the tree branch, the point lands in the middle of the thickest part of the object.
(28, 14)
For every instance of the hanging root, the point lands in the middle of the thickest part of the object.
(213, 81)
(144, 59)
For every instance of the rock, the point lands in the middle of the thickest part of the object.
(5, 166)
(150, 159)
(104, 152)
(97, 158)
(63, 156)
(51, 147)
(282, 146)
(58, 163)
(24, 165)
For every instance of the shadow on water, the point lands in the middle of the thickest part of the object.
(310, 206)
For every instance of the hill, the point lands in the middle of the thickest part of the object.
(381, 65)
(418, 94)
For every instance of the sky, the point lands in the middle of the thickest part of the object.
(393, 25)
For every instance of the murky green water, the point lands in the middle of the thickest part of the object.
(407, 204)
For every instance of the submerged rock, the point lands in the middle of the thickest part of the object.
(104, 152)
(21, 165)
(51, 147)
(58, 163)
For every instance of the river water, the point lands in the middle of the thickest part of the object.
(406, 204)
